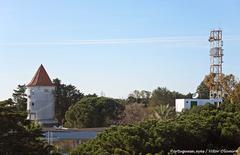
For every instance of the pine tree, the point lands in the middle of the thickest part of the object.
(20, 98)
(18, 135)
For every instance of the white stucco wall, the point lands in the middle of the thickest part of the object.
(41, 103)
(182, 104)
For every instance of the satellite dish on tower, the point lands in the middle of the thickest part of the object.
(195, 95)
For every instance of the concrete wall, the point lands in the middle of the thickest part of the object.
(179, 104)
(40, 104)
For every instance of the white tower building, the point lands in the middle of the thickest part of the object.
(40, 104)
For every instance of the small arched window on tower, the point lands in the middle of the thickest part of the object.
(32, 103)
(32, 92)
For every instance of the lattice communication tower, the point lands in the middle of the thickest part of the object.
(216, 54)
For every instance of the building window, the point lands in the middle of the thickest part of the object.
(193, 103)
(32, 92)
(32, 103)
(45, 90)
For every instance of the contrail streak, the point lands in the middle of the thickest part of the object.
(199, 40)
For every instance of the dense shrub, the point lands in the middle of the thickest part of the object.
(201, 128)
(94, 112)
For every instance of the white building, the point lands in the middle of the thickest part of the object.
(41, 101)
(182, 104)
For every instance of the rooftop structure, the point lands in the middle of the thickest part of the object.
(40, 78)
(182, 104)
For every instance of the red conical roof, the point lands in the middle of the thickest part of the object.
(41, 78)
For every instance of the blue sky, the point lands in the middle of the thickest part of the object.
(115, 46)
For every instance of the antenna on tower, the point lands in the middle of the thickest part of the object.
(216, 55)
(195, 95)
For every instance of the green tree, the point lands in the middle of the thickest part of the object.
(227, 82)
(94, 112)
(235, 97)
(91, 95)
(18, 135)
(141, 97)
(203, 91)
(20, 98)
(163, 96)
(201, 128)
(65, 96)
